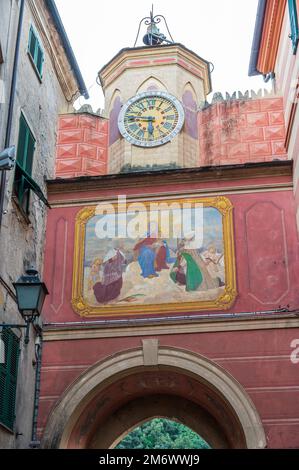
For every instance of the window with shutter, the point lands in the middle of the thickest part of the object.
(25, 152)
(35, 51)
(294, 24)
(8, 378)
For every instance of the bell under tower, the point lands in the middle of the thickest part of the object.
(159, 66)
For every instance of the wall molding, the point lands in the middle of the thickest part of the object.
(216, 326)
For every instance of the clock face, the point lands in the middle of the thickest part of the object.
(150, 119)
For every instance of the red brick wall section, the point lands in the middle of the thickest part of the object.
(81, 145)
(242, 131)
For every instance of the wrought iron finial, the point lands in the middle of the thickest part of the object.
(153, 37)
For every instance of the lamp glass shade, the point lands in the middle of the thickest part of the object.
(42, 295)
(30, 297)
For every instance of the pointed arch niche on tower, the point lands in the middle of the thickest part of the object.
(113, 110)
(190, 103)
(151, 84)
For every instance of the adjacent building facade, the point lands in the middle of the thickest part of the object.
(39, 78)
(275, 54)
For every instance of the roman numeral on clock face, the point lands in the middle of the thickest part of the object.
(133, 127)
(140, 106)
(151, 102)
(161, 133)
(140, 133)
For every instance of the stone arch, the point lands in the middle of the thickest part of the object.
(221, 398)
(151, 84)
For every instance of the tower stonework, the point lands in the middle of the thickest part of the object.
(170, 68)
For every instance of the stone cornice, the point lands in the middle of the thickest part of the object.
(213, 326)
(177, 176)
(54, 47)
(271, 35)
(155, 56)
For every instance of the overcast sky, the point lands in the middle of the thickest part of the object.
(220, 31)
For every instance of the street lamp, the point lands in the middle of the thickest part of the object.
(31, 294)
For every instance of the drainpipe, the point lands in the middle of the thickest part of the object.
(38, 365)
(11, 105)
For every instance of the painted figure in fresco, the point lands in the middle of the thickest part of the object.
(110, 286)
(215, 263)
(161, 255)
(186, 272)
(190, 262)
(169, 259)
(146, 256)
(179, 271)
(95, 273)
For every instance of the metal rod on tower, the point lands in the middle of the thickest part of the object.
(153, 36)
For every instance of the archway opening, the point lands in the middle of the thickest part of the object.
(115, 395)
(162, 433)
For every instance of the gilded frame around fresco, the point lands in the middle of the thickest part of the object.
(223, 302)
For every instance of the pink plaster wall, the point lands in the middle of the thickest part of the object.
(266, 246)
(258, 360)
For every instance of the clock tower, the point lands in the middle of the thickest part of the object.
(152, 96)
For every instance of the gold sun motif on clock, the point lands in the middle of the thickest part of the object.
(150, 119)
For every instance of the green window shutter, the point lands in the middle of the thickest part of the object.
(22, 147)
(25, 152)
(32, 42)
(8, 378)
(39, 60)
(294, 24)
(30, 151)
(35, 50)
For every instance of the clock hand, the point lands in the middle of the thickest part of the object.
(144, 118)
(150, 127)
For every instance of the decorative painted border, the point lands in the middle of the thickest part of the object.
(223, 302)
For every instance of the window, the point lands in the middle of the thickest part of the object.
(25, 151)
(294, 24)
(8, 378)
(36, 52)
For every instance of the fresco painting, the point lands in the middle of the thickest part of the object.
(152, 269)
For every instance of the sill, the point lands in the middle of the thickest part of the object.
(35, 68)
(20, 210)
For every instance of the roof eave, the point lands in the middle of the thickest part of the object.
(67, 47)
(257, 36)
